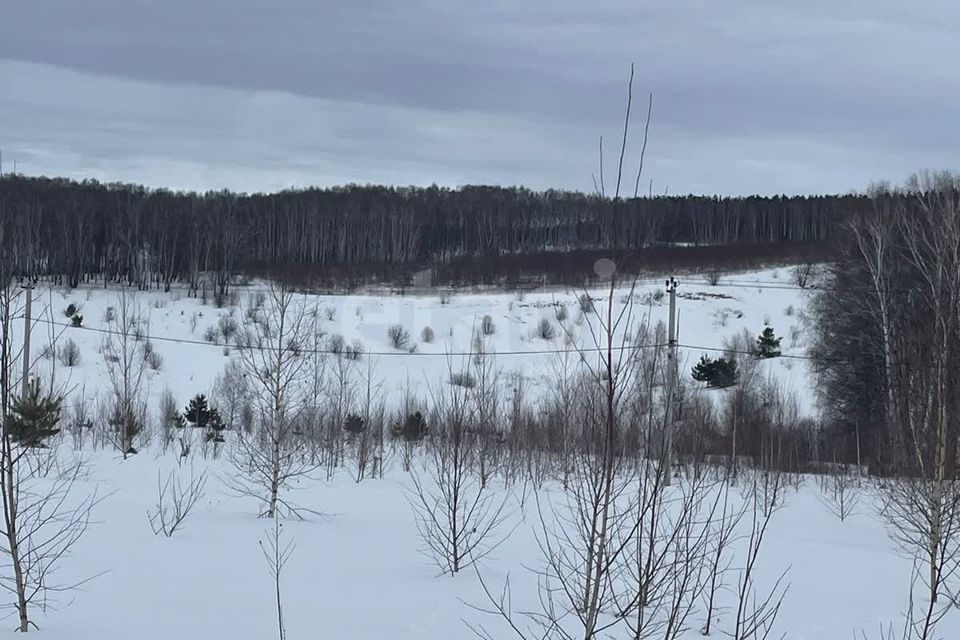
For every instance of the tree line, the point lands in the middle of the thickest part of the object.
(887, 340)
(81, 231)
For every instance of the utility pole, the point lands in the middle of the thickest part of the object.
(671, 382)
(26, 341)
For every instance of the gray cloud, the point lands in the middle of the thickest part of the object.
(749, 96)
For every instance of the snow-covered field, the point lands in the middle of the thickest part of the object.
(176, 324)
(358, 571)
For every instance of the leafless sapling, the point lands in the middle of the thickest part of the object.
(460, 519)
(176, 498)
(271, 458)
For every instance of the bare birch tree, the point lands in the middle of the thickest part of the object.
(459, 516)
(269, 460)
(122, 350)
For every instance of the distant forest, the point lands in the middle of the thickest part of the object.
(76, 232)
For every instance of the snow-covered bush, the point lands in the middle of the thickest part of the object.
(586, 303)
(69, 355)
(465, 380)
(399, 337)
(487, 327)
(154, 360)
(335, 344)
(354, 350)
(227, 327)
(546, 330)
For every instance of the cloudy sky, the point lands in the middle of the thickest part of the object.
(750, 96)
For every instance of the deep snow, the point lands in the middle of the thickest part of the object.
(358, 572)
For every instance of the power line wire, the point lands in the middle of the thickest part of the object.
(328, 351)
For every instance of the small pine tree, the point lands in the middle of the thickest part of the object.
(413, 429)
(177, 420)
(725, 373)
(199, 414)
(768, 345)
(704, 370)
(34, 417)
(354, 424)
(718, 373)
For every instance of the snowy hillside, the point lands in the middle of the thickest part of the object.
(186, 333)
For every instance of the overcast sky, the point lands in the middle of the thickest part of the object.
(750, 96)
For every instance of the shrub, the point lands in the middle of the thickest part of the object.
(227, 327)
(427, 335)
(335, 344)
(487, 327)
(586, 303)
(211, 335)
(412, 429)
(802, 273)
(330, 313)
(151, 357)
(71, 310)
(69, 354)
(109, 315)
(562, 313)
(464, 380)
(154, 360)
(354, 350)
(354, 424)
(795, 333)
(226, 299)
(546, 330)
(713, 277)
(255, 304)
(789, 311)
(77, 321)
(399, 337)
